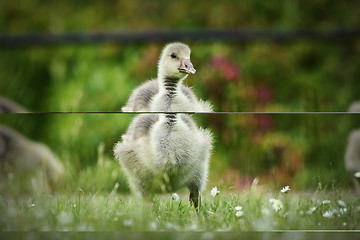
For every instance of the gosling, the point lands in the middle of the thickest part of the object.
(174, 67)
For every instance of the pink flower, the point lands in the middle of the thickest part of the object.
(228, 69)
(263, 92)
(264, 121)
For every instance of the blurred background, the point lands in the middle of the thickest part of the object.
(300, 150)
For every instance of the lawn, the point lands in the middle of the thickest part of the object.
(252, 209)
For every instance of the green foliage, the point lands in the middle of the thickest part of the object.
(68, 15)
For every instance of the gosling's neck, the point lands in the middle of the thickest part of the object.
(171, 119)
(171, 85)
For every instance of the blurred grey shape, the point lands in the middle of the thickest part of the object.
(8, 106)
(33, 164)
(19, 155)
(352, 153)
(355, 107)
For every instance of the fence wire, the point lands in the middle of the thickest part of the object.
(134, 36)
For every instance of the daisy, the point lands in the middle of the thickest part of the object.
(342, 203)
(277, 204)
(238, 208)
(255, 182)
(265, 212)
(214, 191)
(328, 214)
(326, 202)
(343, 211)
(357, 174)
(175, 197)
(285, 189)
(311, 211)
(239, 213)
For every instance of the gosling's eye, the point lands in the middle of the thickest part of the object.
(173, 55)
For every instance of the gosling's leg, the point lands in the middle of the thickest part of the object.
(195, 188)
(195, 198)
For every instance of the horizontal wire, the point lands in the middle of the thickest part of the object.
(212, 113)
(166, 35)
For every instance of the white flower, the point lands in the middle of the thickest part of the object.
(271, 200)
(265, 212)
(344, 224)
(277, 204)
(239, 213)
(311, 211)
(343, 210)
(31, 205)
(342, 203)
(326, 202)
(128, 222)
(214, 191)
(175, 197)
(255, 182)
(357, 174)
(116, 186)
(238, 208)
(328, 214)
(285, 189)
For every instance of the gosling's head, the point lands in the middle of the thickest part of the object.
(175, 61)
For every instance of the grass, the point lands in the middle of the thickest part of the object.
(82, 211)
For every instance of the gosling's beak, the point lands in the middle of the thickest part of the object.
(187, 67)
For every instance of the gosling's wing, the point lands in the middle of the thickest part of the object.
(141, 126)
(130, 144)
(140, 99)
(198, 105)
